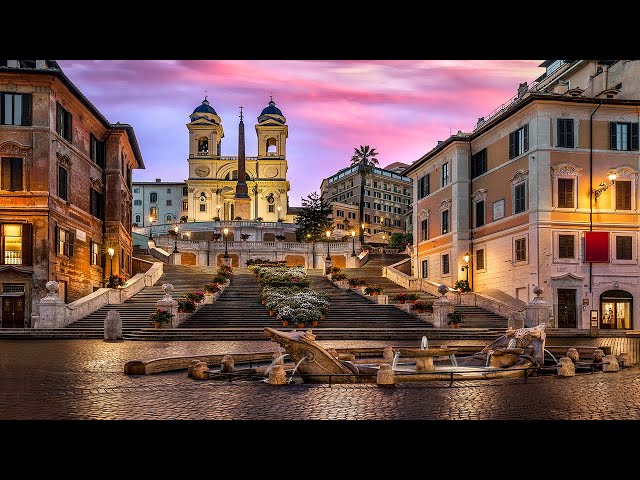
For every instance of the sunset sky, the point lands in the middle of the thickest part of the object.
(402, 108)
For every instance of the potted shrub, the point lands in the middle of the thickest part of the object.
(334, 270)
(422, 307)
(455, 319)
(413, 297)
(462, 286)
(373, 290)
(244, 236)
(216, 219)
(194, 297)
(337, 277)
(400, 297)
(211, 288)
(115, 281)
(186, 306)
(259, 219)
(160, 317)
(357, 282)
(219, 279)
(238, 218)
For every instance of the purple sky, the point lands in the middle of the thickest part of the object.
(400, 107)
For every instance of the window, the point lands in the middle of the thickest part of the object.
(387, 196)
(385, 186)
(397, 210)
(367, 218)
(169, 203)
(138, 219)
(397, 223)
(445, 221)
(96, 204)
(153, 197)
(479, 163)
(623, 195)
(65, 241)
(153, 212)
(377, 194)
(444, 175)
(445, 264)
(136, 190)
(367, 204)
(624, 136)
(340, 213)
(521, 249)
(340, 226)
(203, 207)
(376, 219)
(519, 198)
(352, 215)
(565, 133)
(185, 205)
(272, 208)
(375, 184)
(387, 208)
(425, 268)
(232, 175)
(480, 259)
(367, 192)
(15, 108)
(377, 206)
(122, 259)
(63, 122)
(185, 191)
(95, 251)
(168, 191)
(168, 218)
(519, 141)
(387, 222)
(97, 153)
(16, 243)
(566, 246)
(63, 177)
(565, 193)
(137, 202)
(405, 191)
(12, 174)
(424, 229)
(479, 213)
(624, 247)
(397, 199)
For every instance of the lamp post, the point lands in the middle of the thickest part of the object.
(603, 187)
(111, 251)
(188, 234)
(226, 231)
(308, 237)
(328, 234)
(150, 226)
(279, 208)
(353, 243)
(175, 245)
(465, 268)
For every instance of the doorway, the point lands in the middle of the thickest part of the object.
(616, 310)
(13, 311)
(567, 308)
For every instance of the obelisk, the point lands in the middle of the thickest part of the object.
(241, 200)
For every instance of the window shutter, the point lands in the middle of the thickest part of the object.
(2, 120)
(69, 125)
(58, 119)
(562, 253)
(623, 195)
(92, 148)
(16, 174)
(634, 136)
(560, 130)
(6, 174)
(512, 144)
(56, 237)
(27, 244)
(568, 194)
(612, 135)
(569, 133)
(427, 185)
(26, 109)
(72, 237)
(1, 244)
(526, 138)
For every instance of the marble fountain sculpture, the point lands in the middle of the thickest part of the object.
(515, 354)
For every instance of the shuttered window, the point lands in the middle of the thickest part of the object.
(623, 195)
(479, 163)
(12, 174)
(63, 122)
(565, 193)
(565, 132)
(479, 213)
(623, 136)
(16, 243)
(63, 180)
(425, 268)
(520, 198)
(566, 246)
(445, 264)
(624, 249)
(480, 259)
(445, 222)
(96, 203)
(65, 240)
(424, 229)
(15, 108)
(519, 141)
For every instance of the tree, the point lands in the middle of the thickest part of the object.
(400, 240)
(364, 158)
(314, 217)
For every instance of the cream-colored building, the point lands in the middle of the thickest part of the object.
(523, 191)
(213, 178)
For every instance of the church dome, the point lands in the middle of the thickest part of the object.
(206, 108)
(271, 109)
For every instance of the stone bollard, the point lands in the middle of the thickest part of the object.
(573, 354)
(347, 357)
(387, 354)
(566, 368)
(624, 358)
(227, 364)
(385, 376)
(598, 355)
(200, 371)
(612, 366)
(191, 367)
(277, 375)
(113, 326)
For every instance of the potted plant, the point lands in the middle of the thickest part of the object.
(244, 236)
(357, 282)
(455, 319)
(280, 237)
(216, 236)
(413, 297)
(337, 277)
(219, 279)
(259, 219)
(462, 286)
(216, 219)
(115, 281)
(400, 297)
(186, 306)
(334, 270)
(421, 307)
(374, 290)
(238, 218)
(195, 297)
(211, 288)
(160, 317)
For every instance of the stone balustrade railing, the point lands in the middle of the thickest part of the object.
(235, 245)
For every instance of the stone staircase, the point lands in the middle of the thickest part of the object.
(143, 254)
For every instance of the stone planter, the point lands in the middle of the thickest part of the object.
(382, 299)
(209, 298)
(343, 284)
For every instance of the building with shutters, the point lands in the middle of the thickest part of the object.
(65, 193)
(164, 202)
(544, 191)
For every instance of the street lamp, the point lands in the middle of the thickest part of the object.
(175, 245)
(150, 226)
(353, 243)
(465, 268)
(111, 251)
(308, 237)
(225, 231)
(188, 234)
(603, 187)
(328, 234)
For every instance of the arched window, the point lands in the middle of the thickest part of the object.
(137, 218)
(271, 145)
(168, 218)
(232, 175)
(153, 197)
(203, 146)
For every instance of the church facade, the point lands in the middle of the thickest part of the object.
(213, 178)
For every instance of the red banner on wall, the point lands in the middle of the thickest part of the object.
(596, 247)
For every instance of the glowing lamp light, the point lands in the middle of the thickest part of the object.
(111, 252)
(226, 230)
(612, 177)
(328, 233)
(466, 257)
(353, 233)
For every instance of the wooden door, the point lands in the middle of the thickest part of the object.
(13, 312)
(566, 308)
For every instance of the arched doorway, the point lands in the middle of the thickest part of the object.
(616, 310)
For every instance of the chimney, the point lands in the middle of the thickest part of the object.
(522, 89)
(158, 180)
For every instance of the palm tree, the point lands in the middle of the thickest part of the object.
(364, 157)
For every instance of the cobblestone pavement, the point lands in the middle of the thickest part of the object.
(83, 379)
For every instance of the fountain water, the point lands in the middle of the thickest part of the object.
(295, 368)
(275, 361)
(489, 354)
(454, 361)
(554, 358)
(396, 357)
(424, 345)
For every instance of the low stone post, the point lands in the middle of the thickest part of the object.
(176, 258)
(573, 354)
(113, 326)
(167, 303)
(441, 308)
(200, 371)
(624, 358)
(387, 354)
(52, 309)
(382, 299)
(227, 365)
(610, 364)
(598, 355)
(277, 375)
(566, 368)
(385, 376)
